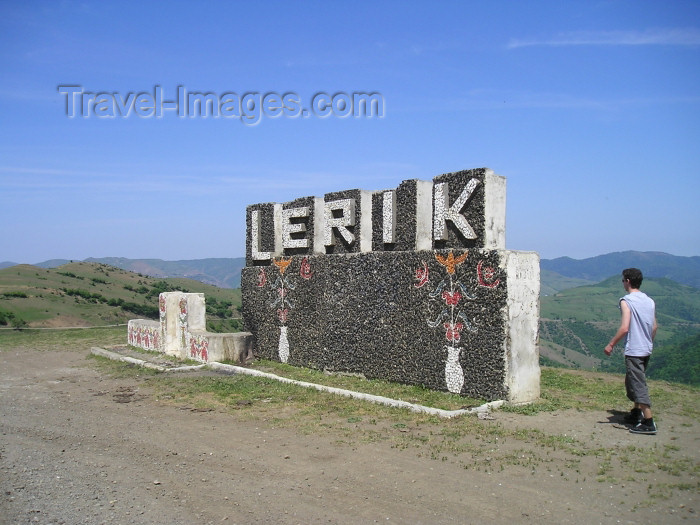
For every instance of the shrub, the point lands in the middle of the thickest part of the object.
(15, 294)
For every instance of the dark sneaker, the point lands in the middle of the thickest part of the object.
(645, 427)
(634, 417)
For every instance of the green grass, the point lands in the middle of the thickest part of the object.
(408, 393)
(581, 390)
(561, 389)
(73, 339)
(146, 354)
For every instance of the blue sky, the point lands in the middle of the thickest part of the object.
(590, 109)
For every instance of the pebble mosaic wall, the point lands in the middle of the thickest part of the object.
(374, 302)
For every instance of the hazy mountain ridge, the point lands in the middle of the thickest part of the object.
(220, 272)
(685, 270)
(556, 274)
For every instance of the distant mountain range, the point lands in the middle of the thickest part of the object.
(557, 274)
(684, 270)
(221, 272)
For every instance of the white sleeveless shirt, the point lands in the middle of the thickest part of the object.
(642, 315)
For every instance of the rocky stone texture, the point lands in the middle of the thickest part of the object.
(341, 246)
(430, 305)
(371, 313)
(307, 222)
(411, 204)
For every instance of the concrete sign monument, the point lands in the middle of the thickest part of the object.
(412, 285)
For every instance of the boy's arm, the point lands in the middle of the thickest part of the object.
(624, 328)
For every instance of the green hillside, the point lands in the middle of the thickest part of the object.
(678, 361)
(95, 294)
(552, 282)
(221, 272)
(576, 324)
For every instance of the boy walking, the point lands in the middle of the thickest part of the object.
(638, 324)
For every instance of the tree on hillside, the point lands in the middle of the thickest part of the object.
(677, 362)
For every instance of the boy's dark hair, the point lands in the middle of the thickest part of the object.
(634, 275)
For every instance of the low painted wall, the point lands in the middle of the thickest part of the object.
(181, 332)
(145, 334)
(209, 347)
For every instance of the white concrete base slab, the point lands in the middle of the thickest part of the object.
(232, 369)
(115, 356)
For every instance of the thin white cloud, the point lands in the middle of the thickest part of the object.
(510, 99)
(504, 100)
(665, 37)
(34, 171)
(212, 180)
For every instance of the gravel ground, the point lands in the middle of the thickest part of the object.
(77, 447)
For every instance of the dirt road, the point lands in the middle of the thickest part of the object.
(77, 447)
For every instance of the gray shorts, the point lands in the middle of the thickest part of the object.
(636, 380)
